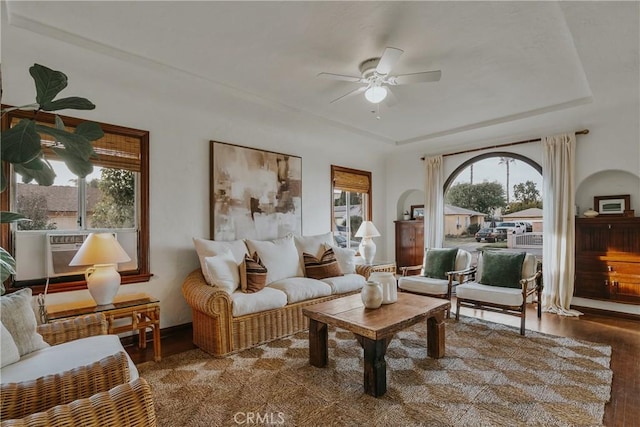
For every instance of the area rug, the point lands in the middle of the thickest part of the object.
(490, 376)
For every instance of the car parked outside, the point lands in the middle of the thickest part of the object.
(491, 235)
(512, 227)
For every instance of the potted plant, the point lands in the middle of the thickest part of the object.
(21, 147)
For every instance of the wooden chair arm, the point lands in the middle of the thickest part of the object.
(19, 400)
(524, 283)
(58, 332)
(469, 272)
(129, 404)
(406, 269)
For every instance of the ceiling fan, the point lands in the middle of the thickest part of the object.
(377, 80)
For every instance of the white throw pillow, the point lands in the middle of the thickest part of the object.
(18, 317)
(206, 248)
(314, 245)
(280, 256)
(346, 258)
(8, 350)
(223, 271)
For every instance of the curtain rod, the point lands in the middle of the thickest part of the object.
(508, 144)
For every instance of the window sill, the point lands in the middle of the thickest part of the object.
(37, 286)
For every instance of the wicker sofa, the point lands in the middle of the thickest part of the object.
(104, 392)
(226, 321)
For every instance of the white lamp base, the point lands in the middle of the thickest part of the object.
(103, 282)
(367, 249)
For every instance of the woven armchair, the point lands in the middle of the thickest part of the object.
(98, 394)
(129, 404)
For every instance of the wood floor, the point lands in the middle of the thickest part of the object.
(622, 335)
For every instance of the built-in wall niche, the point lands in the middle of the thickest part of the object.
(607, 183)
(406, 200)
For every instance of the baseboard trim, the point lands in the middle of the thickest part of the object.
(608, 313)
(164, 333)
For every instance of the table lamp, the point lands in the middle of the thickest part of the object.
(367, 248)
(103, 251)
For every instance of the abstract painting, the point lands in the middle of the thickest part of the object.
(255, 194)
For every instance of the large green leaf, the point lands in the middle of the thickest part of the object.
(7, 217)
(76, 165)
(49, 83)
(75, 143)
(72, 102)
(21, 143)
(39, 170)
(90, 130)
(7, 266)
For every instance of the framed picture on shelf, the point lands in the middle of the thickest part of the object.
(612, 205)
(417, 211)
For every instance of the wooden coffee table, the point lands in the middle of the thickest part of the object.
(374, 330)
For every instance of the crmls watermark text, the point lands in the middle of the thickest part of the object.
(269, 418)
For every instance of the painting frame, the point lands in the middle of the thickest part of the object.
(417, 211)
(253, 193)
(612, 205)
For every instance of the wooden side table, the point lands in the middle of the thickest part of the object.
(378, 266)
(137, 311)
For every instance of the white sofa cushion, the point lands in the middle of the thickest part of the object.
(346, 258)
(18, 317)
(223, 271)
(424, 285)
(265, 299)
(206, 248)
(486, 293)
(301, 288)
(63, 357)
(346, 283)
(280, 256)
(8, 350)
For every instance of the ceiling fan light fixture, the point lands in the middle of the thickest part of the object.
(376, 94)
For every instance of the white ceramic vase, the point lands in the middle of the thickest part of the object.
(371, 294)
(388, 283)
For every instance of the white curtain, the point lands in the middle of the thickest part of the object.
(433, 203)
(559, 220)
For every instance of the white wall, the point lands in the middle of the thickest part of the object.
(183, 114)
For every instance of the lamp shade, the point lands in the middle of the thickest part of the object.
(100, 248)
(367, 229)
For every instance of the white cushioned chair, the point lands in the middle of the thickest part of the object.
(503, 283)
(440, 287)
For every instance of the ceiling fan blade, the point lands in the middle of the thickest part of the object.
(388, 60)
(350, 94)
(342, 77)
(390, 99)
(427, 76)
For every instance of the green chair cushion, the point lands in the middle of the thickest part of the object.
(438, 262)
(502, 269)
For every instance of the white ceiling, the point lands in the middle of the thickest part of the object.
(500, 61)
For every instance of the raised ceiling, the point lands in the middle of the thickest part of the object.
(500, 61)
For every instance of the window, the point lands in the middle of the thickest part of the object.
(351, 191)
(113, 197)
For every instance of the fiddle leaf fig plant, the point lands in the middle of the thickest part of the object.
(21, 144)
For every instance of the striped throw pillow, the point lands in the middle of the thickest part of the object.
(253, 274)
(326, 266)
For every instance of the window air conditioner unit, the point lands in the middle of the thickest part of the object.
(61, 248)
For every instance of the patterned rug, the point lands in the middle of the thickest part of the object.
(490, 376)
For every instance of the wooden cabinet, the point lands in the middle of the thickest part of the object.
(409, 242)
(608, 258)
